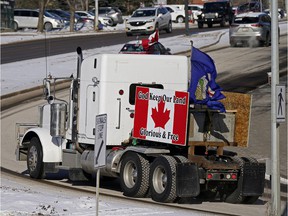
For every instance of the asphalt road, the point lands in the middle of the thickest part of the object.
(53, 46)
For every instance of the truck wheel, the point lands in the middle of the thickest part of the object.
(236, 196)
(163, 179)
(181, 159)
(134, 175)
(35, 159)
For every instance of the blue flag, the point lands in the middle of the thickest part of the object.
(203, 88)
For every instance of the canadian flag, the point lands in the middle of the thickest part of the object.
(152, 39)
(161, 115)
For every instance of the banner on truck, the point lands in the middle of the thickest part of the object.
(161, 115)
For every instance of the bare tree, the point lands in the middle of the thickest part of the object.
(40, 26)
(42, 6)
(72, 4)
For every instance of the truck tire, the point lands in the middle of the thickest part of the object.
(163, 179)
(134, 175)
(181, 159)
(236, 196)
(35, 163)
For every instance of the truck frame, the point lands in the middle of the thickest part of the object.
(64, 138)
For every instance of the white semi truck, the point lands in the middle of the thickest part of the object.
(64, 137)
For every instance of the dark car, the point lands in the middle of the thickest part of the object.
(137, 47)
(64, 15)
(218, 12)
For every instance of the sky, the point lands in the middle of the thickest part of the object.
(19, 199)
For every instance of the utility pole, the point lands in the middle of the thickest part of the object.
(275, 172)
(96, 16)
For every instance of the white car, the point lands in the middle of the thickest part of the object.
(27, 18)
(147, 19)
(89, 15)
(177, 14)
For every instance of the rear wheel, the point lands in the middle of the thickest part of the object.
(169, 28)
(134, 175)
(180, 19)
(163, 179)
(267, 40)
(35, 163)
(15, 26)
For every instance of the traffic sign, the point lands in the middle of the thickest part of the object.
(281, 103)
(100, 141)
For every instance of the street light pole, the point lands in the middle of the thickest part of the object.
(275, 178)
(96, 16)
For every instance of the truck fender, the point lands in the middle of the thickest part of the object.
(51, 146)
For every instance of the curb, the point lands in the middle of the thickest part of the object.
(9, 100)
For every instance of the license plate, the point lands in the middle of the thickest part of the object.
(245, 29)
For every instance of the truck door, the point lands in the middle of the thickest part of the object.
(91, 110)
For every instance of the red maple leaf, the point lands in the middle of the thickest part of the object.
(160, 117)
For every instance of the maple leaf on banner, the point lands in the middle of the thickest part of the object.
(160, 117)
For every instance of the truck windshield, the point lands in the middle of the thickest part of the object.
(214, 7)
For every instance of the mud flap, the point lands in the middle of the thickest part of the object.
(253, 179)
(187, 180)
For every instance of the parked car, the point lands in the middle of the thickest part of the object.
(281, 13)
(27, 18)
(195, 10)
(112, 12)
(64, 15)
(251, 6)
(147, 19)
(177, 15)
(90, 15)
(136, 47)
(251, 28)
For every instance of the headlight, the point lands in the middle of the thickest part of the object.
(148, 21)
(216, 15)
(203, 15)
